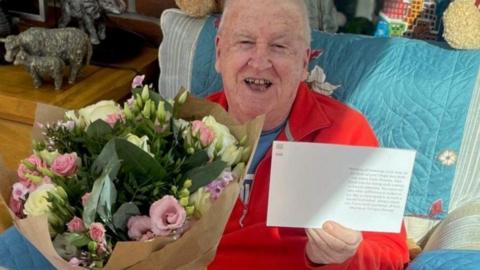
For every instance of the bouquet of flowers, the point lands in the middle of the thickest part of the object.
(150, 184)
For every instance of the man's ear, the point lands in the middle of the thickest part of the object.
(306, 61)
(217, 53)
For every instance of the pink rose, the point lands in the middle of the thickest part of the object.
(65, 165)
(23, 170)
(138, 226)
(166, 215)
(97, 232)
(76, 225)
(113, 118)
(138, 81)
(16, 207)
(19, 191)
(85, 198)
(205, 134)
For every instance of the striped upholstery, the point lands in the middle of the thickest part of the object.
(466, 185)
(176, 58)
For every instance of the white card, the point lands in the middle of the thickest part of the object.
(362, 188)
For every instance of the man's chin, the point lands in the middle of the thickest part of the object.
(248, 113)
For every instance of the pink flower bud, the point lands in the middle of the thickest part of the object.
(76, 225)
(97, 232)
(23, 170)
(201, 130)
(85, 198)
(113, 118)
(138, 81)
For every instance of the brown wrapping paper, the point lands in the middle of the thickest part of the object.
(194, 250)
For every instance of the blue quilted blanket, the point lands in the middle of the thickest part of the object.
(16, 253)
(415, 94)
(447, 260)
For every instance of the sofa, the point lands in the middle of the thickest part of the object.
(416, 95)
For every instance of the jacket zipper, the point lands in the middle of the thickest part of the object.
(286, 133)
(246, 206)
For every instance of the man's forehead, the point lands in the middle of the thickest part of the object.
(257, 10)
(274, 35)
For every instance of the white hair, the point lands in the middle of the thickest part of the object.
(299, 3)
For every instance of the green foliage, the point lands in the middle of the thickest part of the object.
(203, 175)
(77, 239)
(99, 129)
(122, 178)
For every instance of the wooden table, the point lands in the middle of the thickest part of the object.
(19, 99)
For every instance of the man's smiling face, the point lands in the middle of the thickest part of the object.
(262, 55)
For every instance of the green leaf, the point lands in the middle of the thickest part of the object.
(138, 162)
(197, 159)
(124, 212)
(202, 176)
(77, 239)
(99, 129)
(90, 209)
(108, 197)
(134, 160)
(108, 157)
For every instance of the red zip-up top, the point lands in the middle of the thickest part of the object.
(248, 243)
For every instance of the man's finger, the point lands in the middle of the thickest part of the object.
(334, 244)
(315, 250)
(331, 248)
(346, 235)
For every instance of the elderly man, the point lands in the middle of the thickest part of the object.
(262, 50)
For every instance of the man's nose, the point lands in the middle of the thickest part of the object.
(260, 59)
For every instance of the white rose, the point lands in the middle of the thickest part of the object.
(37, 204)
(223, 138)
(100, 110)
(142, 142)
(201, 200)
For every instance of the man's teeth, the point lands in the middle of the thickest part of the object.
(258, 82)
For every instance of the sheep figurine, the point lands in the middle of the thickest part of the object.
(41, 67)
(71, 45)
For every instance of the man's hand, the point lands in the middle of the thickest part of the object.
(333, 243)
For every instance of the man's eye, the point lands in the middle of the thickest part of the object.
(246, 42)
(279, 46)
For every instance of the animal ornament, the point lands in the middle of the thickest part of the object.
(90, 15)
(71, 45)
(41, 67)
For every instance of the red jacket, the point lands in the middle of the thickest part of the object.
(313, 118)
